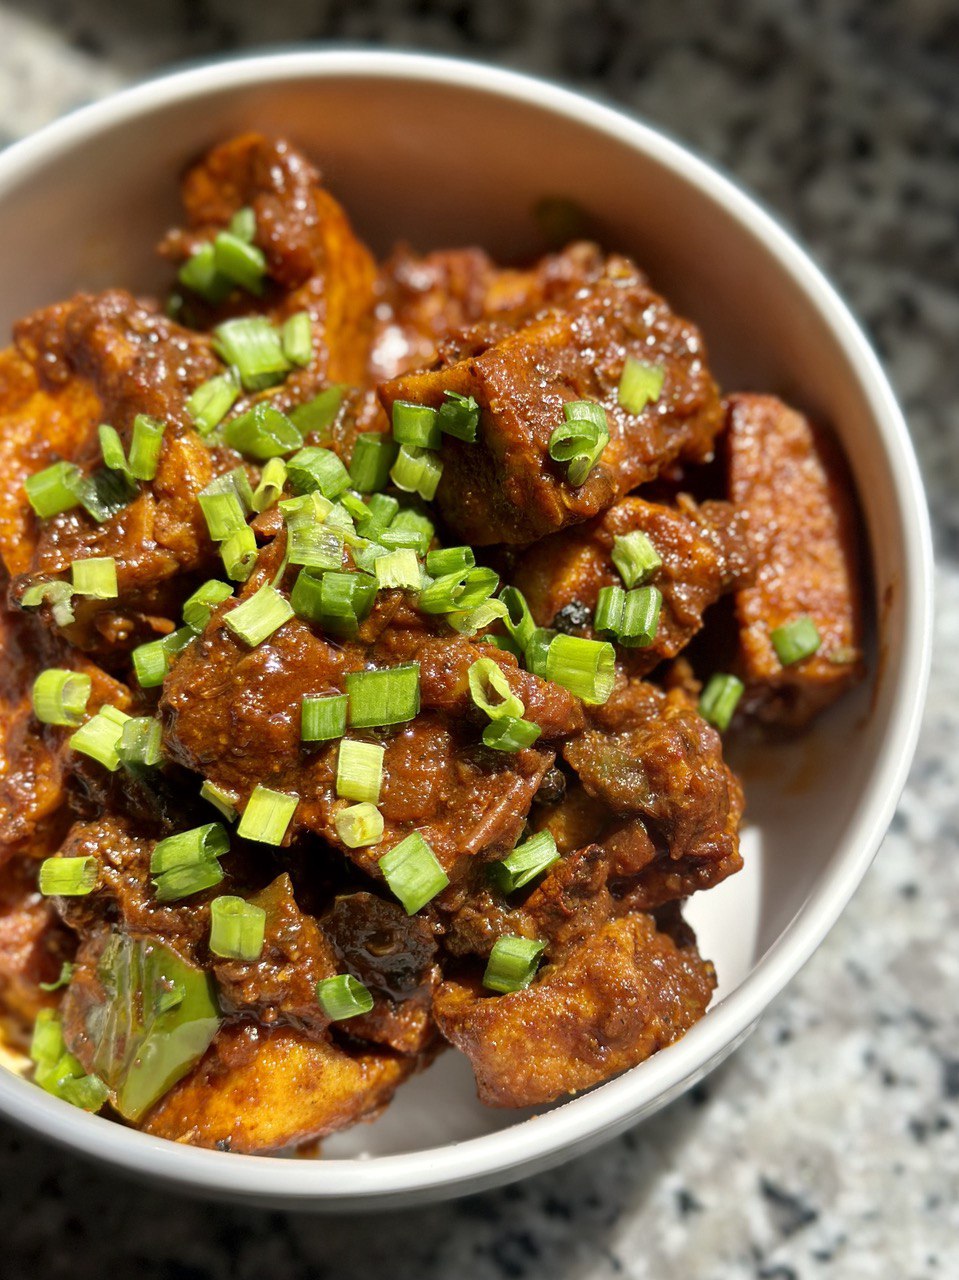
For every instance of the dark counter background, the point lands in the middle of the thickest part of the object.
(828, 1146)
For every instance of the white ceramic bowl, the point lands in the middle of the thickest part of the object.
(442, 152)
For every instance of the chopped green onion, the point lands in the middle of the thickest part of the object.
(297, 338)
(512, 963)
(635, 557)
(263, 432)
(536, 650)
(337, 602)
(223, 511)
(100, 737)
(111, 447)
(323, 718)
(56, 1070)
(579, 440)
(66, 973)
(491, 692)
(397, 539)
(457, 591)
(54, 489)
(719, 700)
(382, 506)
(415, 424)
(307, 509)
(243, 224)
(410, 518)
(390, 695)
(373, 455)
(198, 607)
(145, 446)
(586, 667)
(185, 881)
(608, 615)
(177, 641)
(640, 384)
(95, 577)
(413, 873)
(416, 471)
(257, 617)
(67, 877)
(267, 816)
(509, 734)
(272, 480)
(190, 848)
(359, 826)
(343, 997)
(355, 507)
(59, 595)
(518, 621)
(473, 620)
(796, 641)
(359, 770)
(199, 273)
(640, 620)
(526, 862)
(212, 401)
(450, 560)
(239, 262)
(239, 552)
(253, 347)
(151, 662)
(318, 415)
(237, 928)
(221, 799)
(104, 493)
(398, 569)
(317, 468)
(314, 546)
(459, 416)
(61, 696)
(141, 742)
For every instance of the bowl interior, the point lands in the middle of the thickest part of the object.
(448, 163)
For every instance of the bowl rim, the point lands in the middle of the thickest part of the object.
(455, 1168)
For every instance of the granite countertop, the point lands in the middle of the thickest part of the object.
(828, 1145)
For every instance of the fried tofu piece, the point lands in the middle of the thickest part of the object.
(314, 259)
(610, 1002)
(790, 478)
(505, 487)
(260, 1090)
(703, 549)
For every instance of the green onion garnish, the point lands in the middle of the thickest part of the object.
(239, 552)
(586, 667)
(141, 742)
(412, 872)
(185, 881)
(239, 262)
(60, 696)
(635, 557)
(54, 489)
(640, 384)
(253, 347)
(400, 538)
(491, 692)
(343, 997)
(67, 877)
(417, 471)
(398, 569)
(315, 468)
(518, 621)
(100, 737)
(470, 621)
(458, 591)
(580, 440)
(257, 617)
(111, 447)
(337, 602)
(270, 487)
(267, 816)
(536, 649)
(459, 417)
(373, 455)
(221, 799)
(222, 509)
(263, 432)
(212, 401)
(448, 560)
(318, 415)
(796, 641)
(510, 734)
(314, 546)
(512, 963)
(640, 620)
(359, 826)
(382, 507)
(199, 273)
(359, 770)
(243, 224)
(59, 596)
(416, 424)
(56, 1070)
(323, 718)
(145, 446)
(237, 928)
(526, 862)
(189, 848)
(608, 615)
(66, 973)
(719, 700)
(198, 607)
(296, 337)
(151, 662)
(95, 577)
(390, 695)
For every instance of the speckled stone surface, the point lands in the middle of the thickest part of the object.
(829, 1146)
